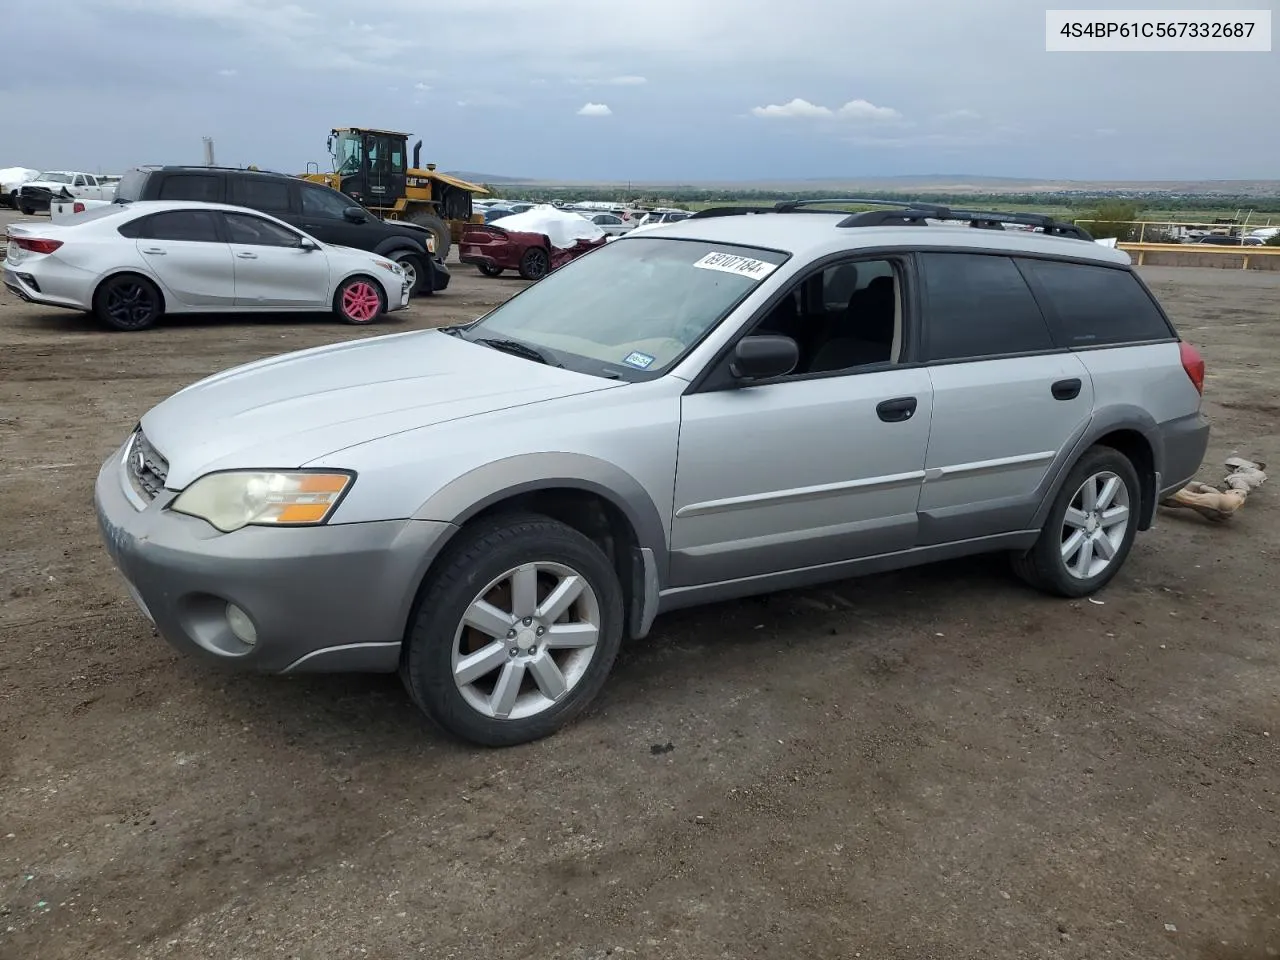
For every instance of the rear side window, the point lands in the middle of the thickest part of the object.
(978, 305)
(1089, 305)
(191, 225)
(190, 186)
(258, 193)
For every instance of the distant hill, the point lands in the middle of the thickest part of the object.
(950, 183)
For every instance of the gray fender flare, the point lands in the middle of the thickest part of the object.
(461, 499)
(1103, 422)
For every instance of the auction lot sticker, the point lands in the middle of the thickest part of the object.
(741, 266)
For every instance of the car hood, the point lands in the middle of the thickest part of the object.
(286, 411)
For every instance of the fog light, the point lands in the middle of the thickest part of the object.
(241, 625)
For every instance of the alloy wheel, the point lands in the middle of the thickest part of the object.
(1094, 525)
(360, 302)
(130, 304)
(526, 640)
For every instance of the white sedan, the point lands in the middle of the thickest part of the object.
(129, 264)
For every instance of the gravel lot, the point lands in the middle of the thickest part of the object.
(932, 764)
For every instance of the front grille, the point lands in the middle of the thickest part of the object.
(147, 469)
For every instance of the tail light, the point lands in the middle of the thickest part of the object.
(34, 245)
(1193, 363)
(77, 207)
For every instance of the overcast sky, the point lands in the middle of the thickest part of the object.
(610, 89)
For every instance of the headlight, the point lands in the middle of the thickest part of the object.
(388, 265)
(240, 498)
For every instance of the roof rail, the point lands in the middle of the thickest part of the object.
(910, 213)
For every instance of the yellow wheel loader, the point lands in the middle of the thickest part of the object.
(372, 167)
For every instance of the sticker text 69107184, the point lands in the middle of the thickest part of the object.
(732, 263)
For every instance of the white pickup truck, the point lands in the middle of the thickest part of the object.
(38, 194)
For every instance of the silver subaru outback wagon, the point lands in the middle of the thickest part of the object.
(738, 403)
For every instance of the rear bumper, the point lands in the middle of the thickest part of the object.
(1185, 442)
(34, 199)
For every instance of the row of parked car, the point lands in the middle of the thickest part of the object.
(212, 240)
(614, 220)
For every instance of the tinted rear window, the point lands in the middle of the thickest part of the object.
(131, 185)
(190, 186)
(978, 305)
(1090, 305)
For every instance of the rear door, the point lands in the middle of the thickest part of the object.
(1007, 400)
(269, 194)
(271, 267)
(186, 252)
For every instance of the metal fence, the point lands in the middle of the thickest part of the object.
(1170, 231)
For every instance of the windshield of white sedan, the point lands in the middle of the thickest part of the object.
(630, 308)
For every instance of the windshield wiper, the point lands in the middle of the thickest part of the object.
(518, 349)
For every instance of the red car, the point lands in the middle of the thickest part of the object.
(492, 250)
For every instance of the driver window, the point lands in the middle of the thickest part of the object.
(845, 316)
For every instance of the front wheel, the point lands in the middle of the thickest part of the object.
(516, 631)
(535, 263)
(359, 301)
(1090, 528)
(128, 303)
(414, 271)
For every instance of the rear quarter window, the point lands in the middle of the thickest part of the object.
(131, 185)
(1088, 305)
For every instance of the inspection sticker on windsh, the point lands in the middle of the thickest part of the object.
(732, 263)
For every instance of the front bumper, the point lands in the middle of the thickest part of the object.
(440, 275)
(322, 599)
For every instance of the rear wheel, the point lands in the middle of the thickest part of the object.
(414, 270)
(1089, 530)
(359, 301)
(489, 270)
(128, 302)
(516, 631)
(25, 210)
(535, 263)
(439, 229)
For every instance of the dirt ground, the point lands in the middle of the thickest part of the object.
(932, 764)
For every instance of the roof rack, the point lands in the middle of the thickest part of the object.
(911, 213)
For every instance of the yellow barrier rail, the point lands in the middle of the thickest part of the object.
(1142, 249)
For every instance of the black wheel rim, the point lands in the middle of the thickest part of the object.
(130, 304)
(537, 263)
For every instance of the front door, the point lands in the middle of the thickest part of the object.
(189, 257)
(387, 167)
(324, 217)
(272, 269)
(1005, 402)
(817, 468)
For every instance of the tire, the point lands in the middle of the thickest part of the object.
(128, 302)
(477, 566)
(415, 270)
(26, 211)
(489, 270)
(1051, 565)
(353, 301)
(535, 263)
(438, 228)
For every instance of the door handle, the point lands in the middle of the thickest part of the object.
(1066, 389)
(247, 255)
(896, 410)
(153, 250)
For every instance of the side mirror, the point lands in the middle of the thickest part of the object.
(306, 243)
(764, 357)
(355, 215)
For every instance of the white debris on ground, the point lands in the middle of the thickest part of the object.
(564, 230)
(1214, 504)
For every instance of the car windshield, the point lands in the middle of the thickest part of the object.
(632, 308)
(55, 177)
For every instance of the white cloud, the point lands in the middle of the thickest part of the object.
(227, 73)
(422, 87)
(865, 110)
(629, 80)
(797, 108)
(595, 110)
(803, 109)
